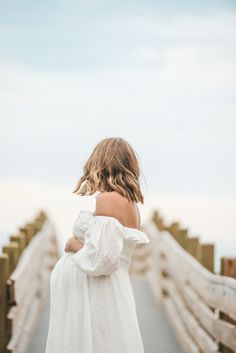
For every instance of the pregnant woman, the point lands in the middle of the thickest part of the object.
(92, 306)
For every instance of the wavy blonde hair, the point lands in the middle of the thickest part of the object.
(112, 166)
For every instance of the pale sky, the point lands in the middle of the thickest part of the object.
(162, 75)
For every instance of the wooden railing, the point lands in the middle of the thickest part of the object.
(25, 266)
(200, 304)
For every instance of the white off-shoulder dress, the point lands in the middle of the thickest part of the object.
(92, 306)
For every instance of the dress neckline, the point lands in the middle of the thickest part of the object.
(113, 219)
(117, 221)
(131, 233)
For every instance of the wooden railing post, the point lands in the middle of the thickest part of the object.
(27, 233)
(174, 229)
(182, 237)
(20, 240)
(4, 271)
(228, 268)
(193, 246)
(158, 221)
(12, 250)
(208, 256)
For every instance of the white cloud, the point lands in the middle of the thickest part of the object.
(180, 101)
(216, 23)
(172, 96)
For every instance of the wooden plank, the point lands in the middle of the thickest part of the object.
(33, 267)
(198, 334)
(29, 262)
(217, 328)
(218, 292)
(185, 340)
(20, 339)
(140, 256)
(21, 311)
(140, 263)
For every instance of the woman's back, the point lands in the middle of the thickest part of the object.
(113, 204)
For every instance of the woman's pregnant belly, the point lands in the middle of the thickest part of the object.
(64, 270)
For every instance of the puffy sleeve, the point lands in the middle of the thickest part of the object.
(81, 223)
(102, 248)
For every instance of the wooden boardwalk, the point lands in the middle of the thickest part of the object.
(156, 332)
(197, 302)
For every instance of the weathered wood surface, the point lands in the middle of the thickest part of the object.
(4, 270)
(25, 265)
(218, 291)
(204, 253)
(28, 284)
(200, 305)
(193, 296)
(228, 268)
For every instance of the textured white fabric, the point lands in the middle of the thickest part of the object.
(92, 306)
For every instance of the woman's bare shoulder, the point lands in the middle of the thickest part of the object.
(109, 203)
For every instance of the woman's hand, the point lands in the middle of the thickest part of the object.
(73, 245)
